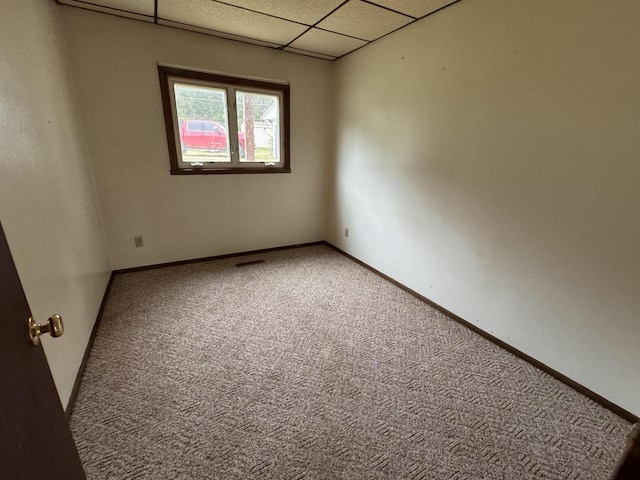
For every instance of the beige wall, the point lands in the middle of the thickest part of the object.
(488, 158)
(182, 217)
(48, 204)
(485, 157)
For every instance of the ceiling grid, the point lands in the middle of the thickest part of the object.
(327, 29)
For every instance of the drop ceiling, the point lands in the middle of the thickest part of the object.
(327, 29)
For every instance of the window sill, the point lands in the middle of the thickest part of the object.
(222, 171)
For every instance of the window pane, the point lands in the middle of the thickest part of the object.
(258, 127)
(202, 122)
(221, 124)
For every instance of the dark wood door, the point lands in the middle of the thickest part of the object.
(35, 440)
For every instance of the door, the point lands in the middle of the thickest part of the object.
(218, 138)
(35, 440)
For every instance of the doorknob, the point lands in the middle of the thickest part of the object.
(54, 326)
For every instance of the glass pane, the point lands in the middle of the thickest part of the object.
(258, 127)
(202, 122)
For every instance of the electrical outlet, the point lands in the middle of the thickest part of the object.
(139, 242)
(346, 232)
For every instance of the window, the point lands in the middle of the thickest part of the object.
(221, 124)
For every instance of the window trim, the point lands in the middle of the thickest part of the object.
(166, 74)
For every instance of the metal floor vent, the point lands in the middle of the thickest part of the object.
(247, 264)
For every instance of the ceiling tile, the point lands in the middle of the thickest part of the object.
(206, 31)
(363, 20)
(228, 19)
(146, 7)
(415, 8)
(309, 54)
(304, 11)
(148, 17)
(327, 43)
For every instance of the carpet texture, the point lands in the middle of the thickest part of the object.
(308, 366)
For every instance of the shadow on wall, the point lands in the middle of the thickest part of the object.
(489, 169)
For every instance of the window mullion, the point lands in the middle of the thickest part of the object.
(232, 112)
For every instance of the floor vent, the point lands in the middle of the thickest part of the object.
(247, 264)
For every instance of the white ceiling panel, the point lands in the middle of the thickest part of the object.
(228, 19)
(304, 11)
(206, 31)
(145, 7)
(112, 11)
(309, 54)
(327, 43)
(415, 8)
(363, 20)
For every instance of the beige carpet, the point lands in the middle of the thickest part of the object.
(309, 366)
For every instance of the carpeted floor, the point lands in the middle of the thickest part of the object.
(309, 366)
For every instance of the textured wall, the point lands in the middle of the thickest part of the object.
(48, 204)
(181, 217)
(487, 157)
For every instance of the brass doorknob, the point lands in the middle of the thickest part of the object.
(54, 326)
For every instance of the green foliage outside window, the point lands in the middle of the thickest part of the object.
(201, 103)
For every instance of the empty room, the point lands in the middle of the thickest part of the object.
(320, 239)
